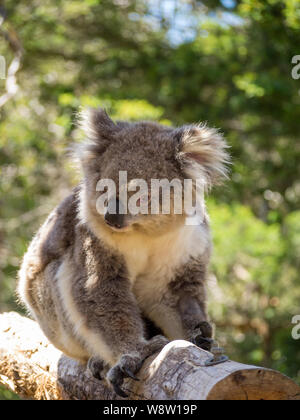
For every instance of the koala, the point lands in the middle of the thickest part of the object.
(111, 289)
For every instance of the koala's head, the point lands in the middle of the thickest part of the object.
(125, 164)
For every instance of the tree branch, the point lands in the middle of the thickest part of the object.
(33, 368)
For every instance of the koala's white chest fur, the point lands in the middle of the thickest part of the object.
(157, 258)
(152, 262)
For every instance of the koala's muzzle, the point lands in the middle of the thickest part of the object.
(114, 215)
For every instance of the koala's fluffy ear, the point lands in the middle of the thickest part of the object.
(202, 153)
(99, 130)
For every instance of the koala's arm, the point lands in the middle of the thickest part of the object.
(190, 288)
(181, 312)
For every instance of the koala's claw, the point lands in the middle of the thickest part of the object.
(96, 367)
(202, 342)
(115, 377)
(129, 374)
(127, 366)
(118, 390)
(201, 336)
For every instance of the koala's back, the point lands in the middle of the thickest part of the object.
(38, 287)
(48, 245)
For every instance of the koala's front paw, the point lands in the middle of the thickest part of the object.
(202, 336)
(130, 364)
(127, 366)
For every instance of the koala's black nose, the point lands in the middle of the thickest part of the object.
(115, 220)
(114, 216)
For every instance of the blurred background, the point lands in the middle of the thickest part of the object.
(228, 62)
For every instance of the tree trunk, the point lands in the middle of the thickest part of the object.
(33, 368)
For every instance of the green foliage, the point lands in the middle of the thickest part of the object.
(256, 286)
(234, 72)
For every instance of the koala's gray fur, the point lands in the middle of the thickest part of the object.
(91, 286)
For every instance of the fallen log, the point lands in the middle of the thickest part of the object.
(31, 367)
